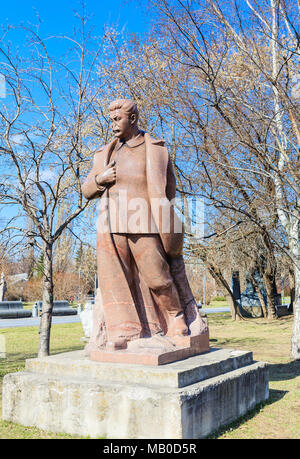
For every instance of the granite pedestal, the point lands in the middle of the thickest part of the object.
(187, 399)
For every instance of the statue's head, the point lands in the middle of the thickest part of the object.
(124, 117)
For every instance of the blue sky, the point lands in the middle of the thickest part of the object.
(58, 15)
(58, 19)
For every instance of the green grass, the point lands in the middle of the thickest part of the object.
(279, 417)
(21, 344)
(217, 304)
(28, 305)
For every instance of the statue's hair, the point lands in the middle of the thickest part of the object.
(126, 105)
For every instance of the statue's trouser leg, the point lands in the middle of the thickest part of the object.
(151, 261)
(121, 319)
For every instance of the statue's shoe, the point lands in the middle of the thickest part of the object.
(177, 326)
(116, 345)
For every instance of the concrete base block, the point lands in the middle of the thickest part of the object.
(188, 399)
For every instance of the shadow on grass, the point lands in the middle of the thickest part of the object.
(274, 396)
(284, 371)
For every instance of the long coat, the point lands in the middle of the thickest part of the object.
(161, 185)
(114, 297)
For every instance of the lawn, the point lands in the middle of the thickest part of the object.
(21, 344)
(279, 417)
(216, 304)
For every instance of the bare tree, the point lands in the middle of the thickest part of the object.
(169, 108)
(245, 55)
(45, 144)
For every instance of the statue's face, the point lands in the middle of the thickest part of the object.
(122, 124)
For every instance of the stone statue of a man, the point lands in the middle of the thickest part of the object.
(143, 289)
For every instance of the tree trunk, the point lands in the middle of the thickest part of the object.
(234, 307)
(295, 341)
(260, 297)
(292, 290)
(46, 315)
(269, 276)
(269, 284)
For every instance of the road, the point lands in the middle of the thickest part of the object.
(213, 310)
(35, 321)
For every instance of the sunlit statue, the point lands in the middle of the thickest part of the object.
(143, 290)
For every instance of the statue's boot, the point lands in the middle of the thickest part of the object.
(117, 344)
(169, 304)
(177, 326)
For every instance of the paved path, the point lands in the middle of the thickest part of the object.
(35, 321)
(210, 310)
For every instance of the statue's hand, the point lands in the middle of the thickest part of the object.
(108, 176)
